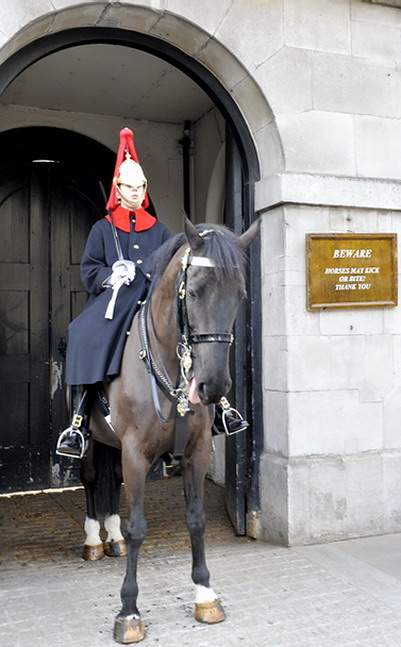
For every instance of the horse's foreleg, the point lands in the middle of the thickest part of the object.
(128, 627)
(93, 546)
(208, 607)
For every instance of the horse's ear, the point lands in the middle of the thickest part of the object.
(247, 238)
(195, 241)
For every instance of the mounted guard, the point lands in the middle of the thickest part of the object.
(114, 274)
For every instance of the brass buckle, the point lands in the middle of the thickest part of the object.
(76, 421)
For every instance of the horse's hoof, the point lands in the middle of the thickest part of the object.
(93, 553)
(209, 612)
(115, 548)
(128, 630)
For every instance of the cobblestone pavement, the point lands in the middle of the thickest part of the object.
(346, 594)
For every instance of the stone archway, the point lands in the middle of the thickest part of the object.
(191, 65)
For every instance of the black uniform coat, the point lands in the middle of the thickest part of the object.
(95, 344)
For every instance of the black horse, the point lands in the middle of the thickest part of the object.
(175, 367)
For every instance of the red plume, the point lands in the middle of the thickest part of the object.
(126, 145)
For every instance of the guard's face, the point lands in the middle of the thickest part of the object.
(132, 196)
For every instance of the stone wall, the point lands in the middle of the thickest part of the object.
(319, 86)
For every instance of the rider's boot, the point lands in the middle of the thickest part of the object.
(73, 441)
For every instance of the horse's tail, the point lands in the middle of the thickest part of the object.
(107, 461)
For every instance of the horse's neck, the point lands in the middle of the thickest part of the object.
(164, 319)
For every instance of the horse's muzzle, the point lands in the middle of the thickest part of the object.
(211, 392)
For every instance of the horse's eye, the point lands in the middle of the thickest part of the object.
(191, 293)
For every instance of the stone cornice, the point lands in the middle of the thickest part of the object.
(325, 190)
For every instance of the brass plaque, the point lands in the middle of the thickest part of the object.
(351, 270)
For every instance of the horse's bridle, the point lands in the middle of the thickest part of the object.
(186, 338)
(181, 290)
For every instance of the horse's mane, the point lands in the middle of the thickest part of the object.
(219, 245)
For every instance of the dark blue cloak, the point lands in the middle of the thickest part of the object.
(94, 344)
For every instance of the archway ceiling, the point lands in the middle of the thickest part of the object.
(109, 80)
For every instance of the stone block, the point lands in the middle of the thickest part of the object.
(184, 35)
(333, 422)
(392, 418)
(299, 513)
(392, 490)
(272, 242)
(206, 14)
(274, 499)
(77, 16)
(318, 142)
(397, 361)
(276, 422)
(309, 363)
(376, 14)
(288, 77)
(392, 318)
(268, 143)
(327, 499)
(321, 26)
(344, 220)
(377, 144)
(237, 31)
(257, 112)
(273, 309)
(131, 16)
(377, 367)
(379, 43)
(20, 14)
(221, 62)
(357, 321)
(352, 85)
(364, 495)
(275, 364)
(347, 356)
(332, 497)
(298, 320)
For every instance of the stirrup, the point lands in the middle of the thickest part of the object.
(237, 419)
(240, 423)
(66, 434)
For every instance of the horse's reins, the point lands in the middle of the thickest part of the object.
(159, 378)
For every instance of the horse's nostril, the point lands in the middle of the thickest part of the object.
(212, 393)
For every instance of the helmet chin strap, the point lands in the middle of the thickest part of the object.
(134, 205)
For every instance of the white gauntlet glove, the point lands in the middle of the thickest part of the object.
(123, 272)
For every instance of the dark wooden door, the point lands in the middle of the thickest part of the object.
(45, 217)
(49, 198)
(72, 211)
(24, 331)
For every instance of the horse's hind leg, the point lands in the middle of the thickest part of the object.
(108, 498)
(208, 607)
(128, 627)
(114, 546)
(93, 547)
